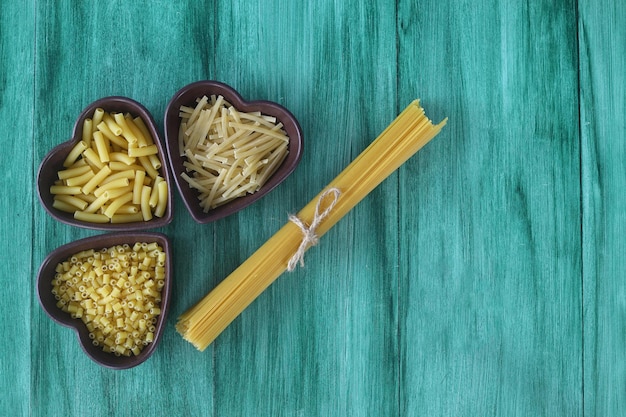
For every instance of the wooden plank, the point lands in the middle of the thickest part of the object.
(454, 289)
(85, 52)
(602, 38)
(16, 113)
(490, 279)
(321, 340)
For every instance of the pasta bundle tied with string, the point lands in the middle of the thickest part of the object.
(406, 135)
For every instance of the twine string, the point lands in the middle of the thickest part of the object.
(309, 238)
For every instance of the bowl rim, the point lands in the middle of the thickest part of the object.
(187, 95)
(48, 303)
(52, 162)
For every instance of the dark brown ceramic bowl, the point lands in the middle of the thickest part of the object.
(48, 302)
(187, 96)
(53, 163)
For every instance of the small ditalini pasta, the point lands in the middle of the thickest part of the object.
(116, 157)
(229, 153)
(115, 291)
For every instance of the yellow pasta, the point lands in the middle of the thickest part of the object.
(73, 172)
(87, 130)
(126, 174)
(122, 166)
(80, 179)
(144, 130)
(140, 176)
(146, 209)
(130, 123)
(106, 131)
(63, 206)
(123, 157)
(145, 163)
(91, 217)
(117, 203)
(118, 320)
(98, 203)
(116, 192)
(127, 209)
(112, 125)
(159, 210)
(145, 151)
(101, 147)
(110, 185)
(155, 161)
(75, 202)
(64, 189)
(93, 158)
(73, 155)
(154, 196)
(126, 217)
(91, 185)
(98, 114)
(100, 173)
(215, 137)
(407, 134)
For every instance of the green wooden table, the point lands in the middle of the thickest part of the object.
(485, 277)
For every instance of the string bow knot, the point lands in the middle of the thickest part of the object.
(309, 237)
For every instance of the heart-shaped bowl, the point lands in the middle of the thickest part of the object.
(48, 301)
(53, 163)
(188, 96)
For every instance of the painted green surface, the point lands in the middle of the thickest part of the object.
(483, 278)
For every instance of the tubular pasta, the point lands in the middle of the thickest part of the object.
(112, 124)
(80, 179)
(126, 131)
(64, 189)
(106, 174)
(73, 172)
(117, 203)
(96, 180)
(75, 202)
(98, 114)
(137, 186)
(101, 146)
(73, 155)
(159, 210)
(145, 151)
(63, 206)
(146, 209)
(90, 217)
(93, 158)
(87, 130)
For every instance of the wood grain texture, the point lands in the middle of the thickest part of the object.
(603, 132)
(16, 231)
(490, 308)
(298, 348)
(483, 278)
(86, 52)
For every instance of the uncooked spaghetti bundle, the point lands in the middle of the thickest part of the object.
(406, 135)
